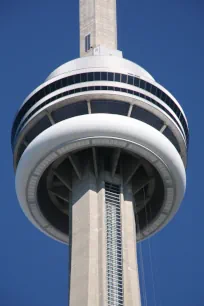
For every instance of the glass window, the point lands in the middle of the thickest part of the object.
(91, 88)
(41, 94)
(52, 99)
(137, 82)
(104, 87)
(97, 76)
(181, 119)
(38, 128)
(83, 77)
(21, 149)
(52, 87)
(168, 133)
(70, 80)
(147, 117)
(130, 80)
(154, 90)
(104, 76)
(171, 104)
(73, 78)
(117, 77)
(110, 76)
(163, 96)
(70, 110)
(130, 91)
(35, 98)
(87, 42)
(123, 78)
(64, 82)
(90, 76)
(47, 91)
(111, 107)
(179, 115)
(148, 98)
(77, 78)
(148, 87)
(123, 89)
(47, 102)
(162, 107)
(177, 111)
(159, 92)
(142, 84)
(168, 100)
(58, 85)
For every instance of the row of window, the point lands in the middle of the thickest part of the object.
(110, 109)
(99, 76)
(97, 106)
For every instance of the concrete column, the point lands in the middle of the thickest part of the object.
(98, 18)
(130, 266)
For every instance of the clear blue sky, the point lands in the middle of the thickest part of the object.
(167, 40)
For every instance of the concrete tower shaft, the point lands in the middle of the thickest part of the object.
(103, 243)
(100, 151)
(98, 25)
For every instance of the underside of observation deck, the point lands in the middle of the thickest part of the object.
(55, 189)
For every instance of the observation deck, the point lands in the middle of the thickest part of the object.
(97, 85)
(101, 91)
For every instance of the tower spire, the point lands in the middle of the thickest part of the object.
(98, 25)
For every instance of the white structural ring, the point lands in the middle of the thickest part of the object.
(100, 130)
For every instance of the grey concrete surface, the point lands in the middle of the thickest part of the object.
(98, 18)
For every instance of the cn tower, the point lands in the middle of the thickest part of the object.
(100, 153)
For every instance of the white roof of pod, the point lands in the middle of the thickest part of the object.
(112, 63)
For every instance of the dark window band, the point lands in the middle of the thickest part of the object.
(100, 76)
(84, 89)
